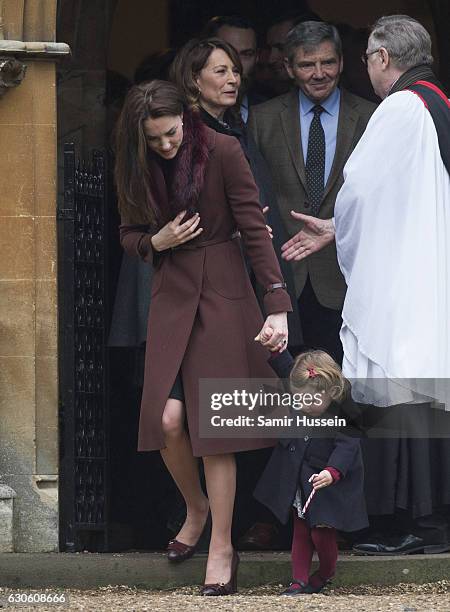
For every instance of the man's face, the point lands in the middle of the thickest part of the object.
(276, 37)
(316, 72)
(244, 41)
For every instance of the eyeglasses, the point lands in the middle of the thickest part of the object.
(365, 56)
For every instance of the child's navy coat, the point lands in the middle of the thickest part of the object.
(340, 505)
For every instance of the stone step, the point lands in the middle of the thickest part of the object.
(153, 571)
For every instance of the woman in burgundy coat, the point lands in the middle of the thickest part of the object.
(187, 197)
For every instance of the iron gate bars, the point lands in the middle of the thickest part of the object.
(84, 427)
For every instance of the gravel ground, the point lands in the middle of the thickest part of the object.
(397, 598)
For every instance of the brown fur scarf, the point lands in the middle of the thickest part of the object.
(190, 164)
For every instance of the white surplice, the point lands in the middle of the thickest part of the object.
(392, 220)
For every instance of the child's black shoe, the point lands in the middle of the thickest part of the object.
(297, 587)
(316, 583)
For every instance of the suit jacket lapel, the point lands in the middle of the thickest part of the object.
(348, 119)
(290, 120)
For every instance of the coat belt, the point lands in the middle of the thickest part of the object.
(206, 243)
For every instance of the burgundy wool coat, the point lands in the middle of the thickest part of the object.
(203, 314)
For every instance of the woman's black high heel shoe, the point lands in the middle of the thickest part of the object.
(178, 552)
(221, 588)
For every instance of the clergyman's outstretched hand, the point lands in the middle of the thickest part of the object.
(314, 236)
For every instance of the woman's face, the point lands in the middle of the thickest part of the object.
(164, 135)
(218, 83)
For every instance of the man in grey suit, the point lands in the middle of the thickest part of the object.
(306, 136)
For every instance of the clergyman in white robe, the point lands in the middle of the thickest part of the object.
(392, 222)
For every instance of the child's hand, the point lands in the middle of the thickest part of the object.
(321, 480)
(264, 337)
(274, 333)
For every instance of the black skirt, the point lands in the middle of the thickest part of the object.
(177, 391)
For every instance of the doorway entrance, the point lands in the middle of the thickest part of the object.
(112, 497)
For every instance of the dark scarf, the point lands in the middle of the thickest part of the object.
(437, 108)
(229, 126)
(411, 76)
(177, 183)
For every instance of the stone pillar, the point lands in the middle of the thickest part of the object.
(7, 496)
(28, 292)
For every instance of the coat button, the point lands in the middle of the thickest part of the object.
(306, 204)
(306, 438)
(292, 448)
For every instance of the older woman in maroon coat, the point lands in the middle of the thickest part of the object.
(187, 197)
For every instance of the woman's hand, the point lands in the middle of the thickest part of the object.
(274, 333)
(321, 480)
(269, 229)
(175, 233)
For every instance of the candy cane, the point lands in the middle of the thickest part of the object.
(311, 495)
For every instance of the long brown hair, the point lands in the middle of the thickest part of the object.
(190, 61)
(134, 182)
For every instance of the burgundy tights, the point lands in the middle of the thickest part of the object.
(305, 540)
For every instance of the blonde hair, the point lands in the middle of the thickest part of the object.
(319, 371)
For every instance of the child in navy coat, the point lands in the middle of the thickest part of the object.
(330, 466)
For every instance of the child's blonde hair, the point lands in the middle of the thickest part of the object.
(319, 372)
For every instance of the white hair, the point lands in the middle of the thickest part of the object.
(406, 40)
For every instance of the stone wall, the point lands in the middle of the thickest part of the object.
(28, 292)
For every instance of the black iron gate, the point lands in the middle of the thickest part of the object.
(84, 427)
